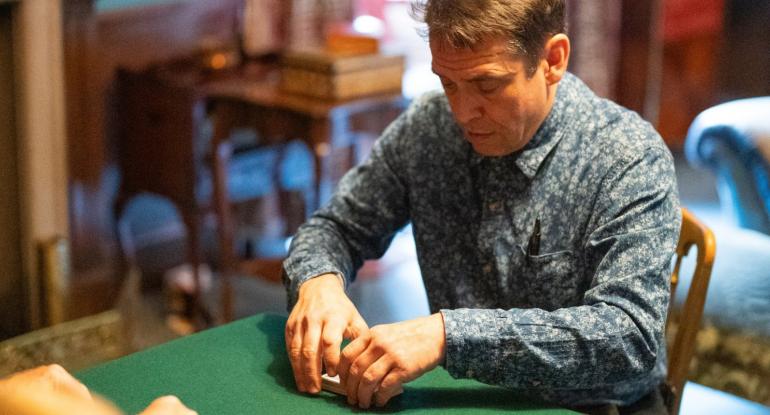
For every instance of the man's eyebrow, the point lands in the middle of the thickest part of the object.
(480, 77)
(490, 77)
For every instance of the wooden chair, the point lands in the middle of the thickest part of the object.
(336, 131)
(163, 151)
(688, 318)
(292, 209)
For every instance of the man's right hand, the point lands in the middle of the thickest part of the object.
(322, 317)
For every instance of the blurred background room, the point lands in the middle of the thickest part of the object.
(157, 156)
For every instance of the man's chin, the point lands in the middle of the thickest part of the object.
(489, 151)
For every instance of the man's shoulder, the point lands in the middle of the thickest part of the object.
(611, 129)
(627, 130)
(426, 122)
(432, 103)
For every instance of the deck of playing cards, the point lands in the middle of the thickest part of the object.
(332, 384)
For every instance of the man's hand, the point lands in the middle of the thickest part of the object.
(374, 366)
(321, 318)
(167, 405)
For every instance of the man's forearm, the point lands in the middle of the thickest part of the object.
(579, 352)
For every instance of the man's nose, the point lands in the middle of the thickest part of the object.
(466, 110)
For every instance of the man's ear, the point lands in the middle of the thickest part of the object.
(556, 57)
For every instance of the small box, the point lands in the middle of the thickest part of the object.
(322, 74)
(351, 43)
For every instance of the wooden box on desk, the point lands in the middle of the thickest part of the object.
(325, 75)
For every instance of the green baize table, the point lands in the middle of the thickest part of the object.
(242, 368)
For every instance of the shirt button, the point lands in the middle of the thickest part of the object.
(487, 269)
(495, 207)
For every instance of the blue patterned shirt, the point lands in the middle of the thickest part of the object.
(581, 321)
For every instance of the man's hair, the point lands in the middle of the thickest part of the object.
(527, 24)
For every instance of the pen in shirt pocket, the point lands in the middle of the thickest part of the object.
(533, 245)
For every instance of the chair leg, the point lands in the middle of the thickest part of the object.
(222, 154)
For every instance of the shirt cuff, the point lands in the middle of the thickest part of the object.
(472, 347)
(296, 275)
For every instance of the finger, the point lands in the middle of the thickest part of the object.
(356, 328)
(349, 354)
(357, 369)
(310, 363)
(288, 332)
(319, 366)
(167, 405)
(390, 386)
(62, 381)
(370, 380)
(331, 340)
(294, 349)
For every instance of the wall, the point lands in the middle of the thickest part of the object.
(33, 206)
(40, 126)
(11, 286)
(745, 62)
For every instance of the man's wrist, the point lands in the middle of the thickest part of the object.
(323, 279)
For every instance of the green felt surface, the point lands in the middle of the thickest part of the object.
(242, 368)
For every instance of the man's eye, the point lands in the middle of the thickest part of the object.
(449, 86)
(487, 87)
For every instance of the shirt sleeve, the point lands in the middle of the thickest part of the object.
(368, 207)
(604, 349)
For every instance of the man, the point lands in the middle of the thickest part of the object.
(544, 219)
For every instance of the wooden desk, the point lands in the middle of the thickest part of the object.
(242, 368)
(159, 148)
(328, 127)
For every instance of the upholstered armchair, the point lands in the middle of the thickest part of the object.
(733, 141)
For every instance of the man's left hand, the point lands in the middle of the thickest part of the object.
(374, 366)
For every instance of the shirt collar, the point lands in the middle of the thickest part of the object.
(550, 132)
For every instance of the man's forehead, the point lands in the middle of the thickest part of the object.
(490, 44)
(485, 56)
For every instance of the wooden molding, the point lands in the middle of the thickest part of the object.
(40, 122)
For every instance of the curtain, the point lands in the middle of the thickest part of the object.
(594, 29)
(309, 20)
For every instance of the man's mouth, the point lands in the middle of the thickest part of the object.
(478, 135)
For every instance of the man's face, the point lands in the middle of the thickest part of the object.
(497, 105)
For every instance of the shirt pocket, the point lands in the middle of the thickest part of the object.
(549, 280)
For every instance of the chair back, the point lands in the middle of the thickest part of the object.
(688, 319)
(732, 140)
